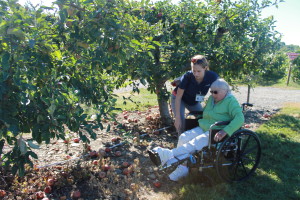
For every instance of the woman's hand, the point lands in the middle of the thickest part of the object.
(177, 124)
(220, 135)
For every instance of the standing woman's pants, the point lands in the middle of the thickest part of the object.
(183, 106)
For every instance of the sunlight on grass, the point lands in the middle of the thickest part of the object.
(136, 101)
(283, 84)
(269, 175)
(292, 109)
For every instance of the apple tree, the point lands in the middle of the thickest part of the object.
(233, 36)
(54, 60)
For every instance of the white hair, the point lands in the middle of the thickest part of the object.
(221, 84)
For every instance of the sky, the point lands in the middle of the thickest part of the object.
(287, 17)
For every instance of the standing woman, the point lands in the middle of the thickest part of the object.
(193, 86)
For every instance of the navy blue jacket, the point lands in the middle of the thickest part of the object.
(191, 87)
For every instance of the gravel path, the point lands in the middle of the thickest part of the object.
(267, 98)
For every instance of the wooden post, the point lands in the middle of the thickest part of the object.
(248, 95)
(289, 74)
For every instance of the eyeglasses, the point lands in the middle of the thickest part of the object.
(197, 61)
(213, 92)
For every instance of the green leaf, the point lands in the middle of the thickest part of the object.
(136, 42)
(32, 154)
(32, 145)
(108, 128)
(22, 145)
(5, 61)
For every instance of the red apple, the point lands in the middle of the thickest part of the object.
(115, 139)
(50, 182)
(47, 189)
(39, 195)
(102, 175)
(66, 141)
(76, 194)
(88, 148)
(125, 116)
(107, 150)
(76, 140)
(95, 162)
(156, 132)
(93, 154)
(110, 49)
(118, 153)
(125, 164)
(2, 193)
(247, 125)
(126, 171)
(157, 184)
(105, 167)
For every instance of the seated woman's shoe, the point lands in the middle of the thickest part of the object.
(154, 157)
(159, 156)
(180, 172)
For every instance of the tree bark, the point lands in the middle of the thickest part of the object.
(162, 99)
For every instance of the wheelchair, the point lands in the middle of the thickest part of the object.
(235, 158)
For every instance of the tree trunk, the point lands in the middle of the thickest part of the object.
(162, 99)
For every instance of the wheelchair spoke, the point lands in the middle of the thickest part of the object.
(245, 144)
(248, 151)
(244, 168)
(238, 157)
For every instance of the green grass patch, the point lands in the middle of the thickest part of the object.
(291, 109)
(136, 101)
(282, 83)
(278, 175)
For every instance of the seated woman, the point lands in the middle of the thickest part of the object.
(220, 106)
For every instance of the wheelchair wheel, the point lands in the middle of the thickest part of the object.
(238, 156)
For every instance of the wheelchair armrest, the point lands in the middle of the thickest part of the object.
(196, 113)
(221, 123)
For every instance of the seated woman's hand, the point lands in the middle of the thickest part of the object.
(220, 135)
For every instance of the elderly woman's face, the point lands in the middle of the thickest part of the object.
(218, 94)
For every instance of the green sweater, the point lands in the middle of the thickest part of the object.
(227, 109)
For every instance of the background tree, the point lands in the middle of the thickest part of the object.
(296, 69)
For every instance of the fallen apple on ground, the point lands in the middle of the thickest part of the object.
(76, 194)
(76, 140)
(102, 175)
(118, 153)
(48, 189)
(50, 182)
(157, 184)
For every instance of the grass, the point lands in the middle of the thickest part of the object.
(278, 175)
(136, 101)
(282, 83)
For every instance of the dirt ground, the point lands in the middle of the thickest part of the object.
(114, 166)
